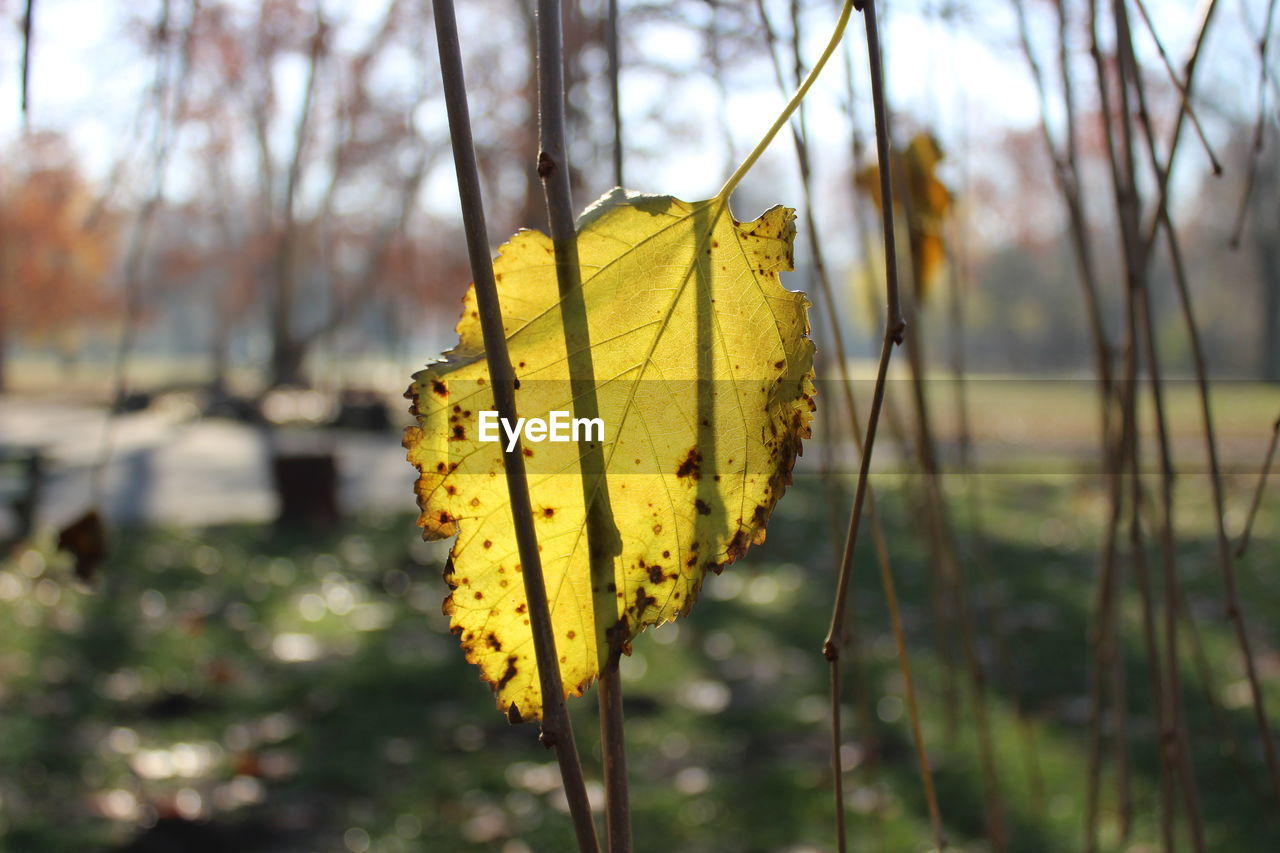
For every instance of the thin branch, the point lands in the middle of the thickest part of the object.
(826, 295)
(1105, 594)
(609, 691)
(1257, 493)
(162, 144)
(1174, 737)
(27, 41)
(893, 334)
(949, 579)
(1259, 126)
(1067, 176)
(557, 730)
(881, 546)
(1233, 607)
(603, 541)
(615, 101)
(1162, 189)
(1180, 85)
(1151, 641)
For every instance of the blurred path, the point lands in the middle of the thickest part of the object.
(168, 468)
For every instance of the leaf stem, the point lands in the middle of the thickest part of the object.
(556, 728)
(739, 173)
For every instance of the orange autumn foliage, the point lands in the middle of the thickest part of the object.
(927, 203)
(54, 261)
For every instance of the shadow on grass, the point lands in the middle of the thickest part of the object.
(244, 689)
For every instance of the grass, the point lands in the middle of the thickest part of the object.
(303, 693)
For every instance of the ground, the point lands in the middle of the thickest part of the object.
(301, 692)
(304, 693)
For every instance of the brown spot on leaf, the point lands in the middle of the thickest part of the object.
(488, 543)
(655, 574)
(691, 465)
(439, 388)
(644, 601)
(702, 507)
(509, 674)
(494, 642)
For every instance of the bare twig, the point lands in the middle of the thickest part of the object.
(1105, 602)
(167, 124)
(556, 728)
(609, 691)
(603, 542)
(1179, 85)
(27, 42)
(826, 295)
(1233, 607)
(1259, 125)
(1067, 176)
(615, 102)
(887, 583)
(949, 580)
(1257, 493)
(893, 334)
(1174, 736)
(1162, 189)
(1150, 638)
(1234, 610)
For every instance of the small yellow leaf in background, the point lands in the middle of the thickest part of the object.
(929, 202)
(703, 373)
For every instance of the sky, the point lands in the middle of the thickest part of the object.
(964, 80)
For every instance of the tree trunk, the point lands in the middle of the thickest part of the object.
(287, 357)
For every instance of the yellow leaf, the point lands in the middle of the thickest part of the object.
(703, 372)
(929, 203)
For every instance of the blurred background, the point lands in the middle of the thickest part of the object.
(229, 233)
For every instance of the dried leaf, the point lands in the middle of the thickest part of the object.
(85, 539)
